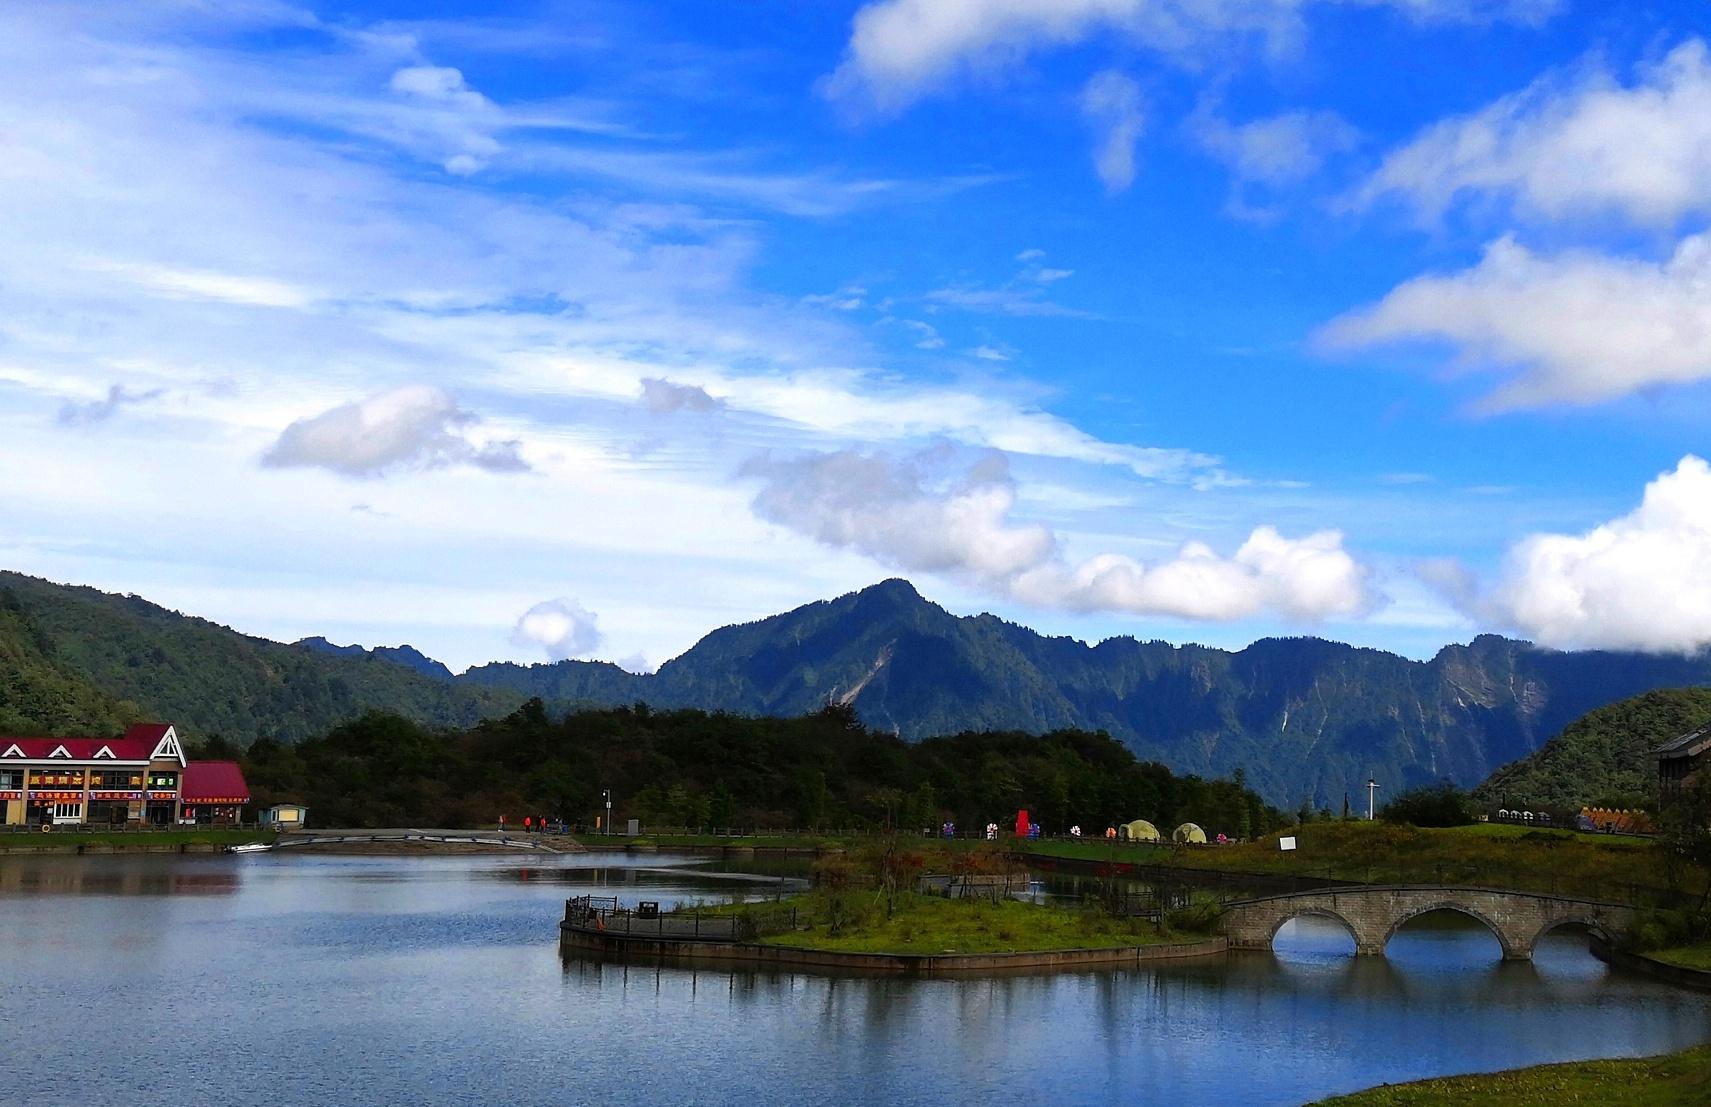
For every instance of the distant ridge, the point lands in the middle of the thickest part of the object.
(1304, 718)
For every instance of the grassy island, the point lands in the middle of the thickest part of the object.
(867, 901)
(1675, 1080)
(929, 924)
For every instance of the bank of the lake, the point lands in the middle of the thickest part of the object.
(192, 839)
(1674, 1080)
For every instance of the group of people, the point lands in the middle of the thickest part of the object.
(536, 824)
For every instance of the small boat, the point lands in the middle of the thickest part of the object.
(250, 847)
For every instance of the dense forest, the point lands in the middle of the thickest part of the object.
(695, 769)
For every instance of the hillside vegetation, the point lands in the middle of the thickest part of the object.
(690, 768)
(1603, 759)
(118, 657)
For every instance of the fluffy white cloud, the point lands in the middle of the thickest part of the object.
(418, 427)
(928, 513)
(1580, 146)
(1579, 327)
(899, 50)
(921, 513)
(1641, 582)
(561, 627)
(1302, 579)
(1111, 104)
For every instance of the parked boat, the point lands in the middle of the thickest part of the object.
(250, 847)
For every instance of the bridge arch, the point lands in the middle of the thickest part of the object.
(1460, 907)
(1591, 923)
(1314, 911)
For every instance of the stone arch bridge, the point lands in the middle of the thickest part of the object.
(1374, 913)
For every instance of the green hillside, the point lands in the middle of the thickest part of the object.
(39, 694)
(206, 678)
(1603, 758)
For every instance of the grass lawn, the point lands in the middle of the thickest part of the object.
(65, 839)
(1676, 1080)
(1691, 957)
(1593, 866)
(932, 924)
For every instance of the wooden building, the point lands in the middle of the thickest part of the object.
(1679, 759)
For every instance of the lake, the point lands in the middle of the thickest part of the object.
(297, 979)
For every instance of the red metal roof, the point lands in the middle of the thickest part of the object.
(83, 749)
(214, 782)
(151, 733)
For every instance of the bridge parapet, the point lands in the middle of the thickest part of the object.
(1373, 914)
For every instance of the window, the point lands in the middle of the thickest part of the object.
(11, 779)
(163, 782)
(118, 779)
(67, 812)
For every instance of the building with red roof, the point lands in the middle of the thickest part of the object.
(139, 779)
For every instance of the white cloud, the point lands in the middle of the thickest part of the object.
(901, 50)
(561, 627)
(418, 427)
(1278, 150)
(663, 397)
(930, 513)
(75, 414)
(1577, 146)
(1111, 104)
(1641, 582)
(1578, 327)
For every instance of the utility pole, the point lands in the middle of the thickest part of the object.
(607, 793)
(1371, 798)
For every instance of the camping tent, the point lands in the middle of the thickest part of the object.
(1188, 832)
(1138, 831)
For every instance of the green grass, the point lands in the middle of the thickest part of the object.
(923, 924)
(1697, 956)
(1591, 866)
(67, 839)
(1676, 1080)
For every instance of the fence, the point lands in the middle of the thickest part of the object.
(605, 915)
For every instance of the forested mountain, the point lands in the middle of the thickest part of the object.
(1604, 758)
(1305, 718)
(690, 768)
(204, 677)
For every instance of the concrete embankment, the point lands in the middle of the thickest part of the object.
(1679, 975)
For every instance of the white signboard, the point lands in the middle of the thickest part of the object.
(1286, 843)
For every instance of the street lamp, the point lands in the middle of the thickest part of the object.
(607, 793)
(1371, 797)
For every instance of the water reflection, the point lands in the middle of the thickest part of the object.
(439, 981)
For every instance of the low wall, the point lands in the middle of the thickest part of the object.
(896, 964)
(1679, 975)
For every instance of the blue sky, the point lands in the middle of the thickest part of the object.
(578, 329)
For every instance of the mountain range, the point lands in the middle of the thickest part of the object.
(1306, 719)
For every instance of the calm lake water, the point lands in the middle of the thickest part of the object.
(341, 980)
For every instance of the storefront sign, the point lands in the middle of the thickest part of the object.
(162, 795)
(36, 795)
(110, 795)
(11, 795)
